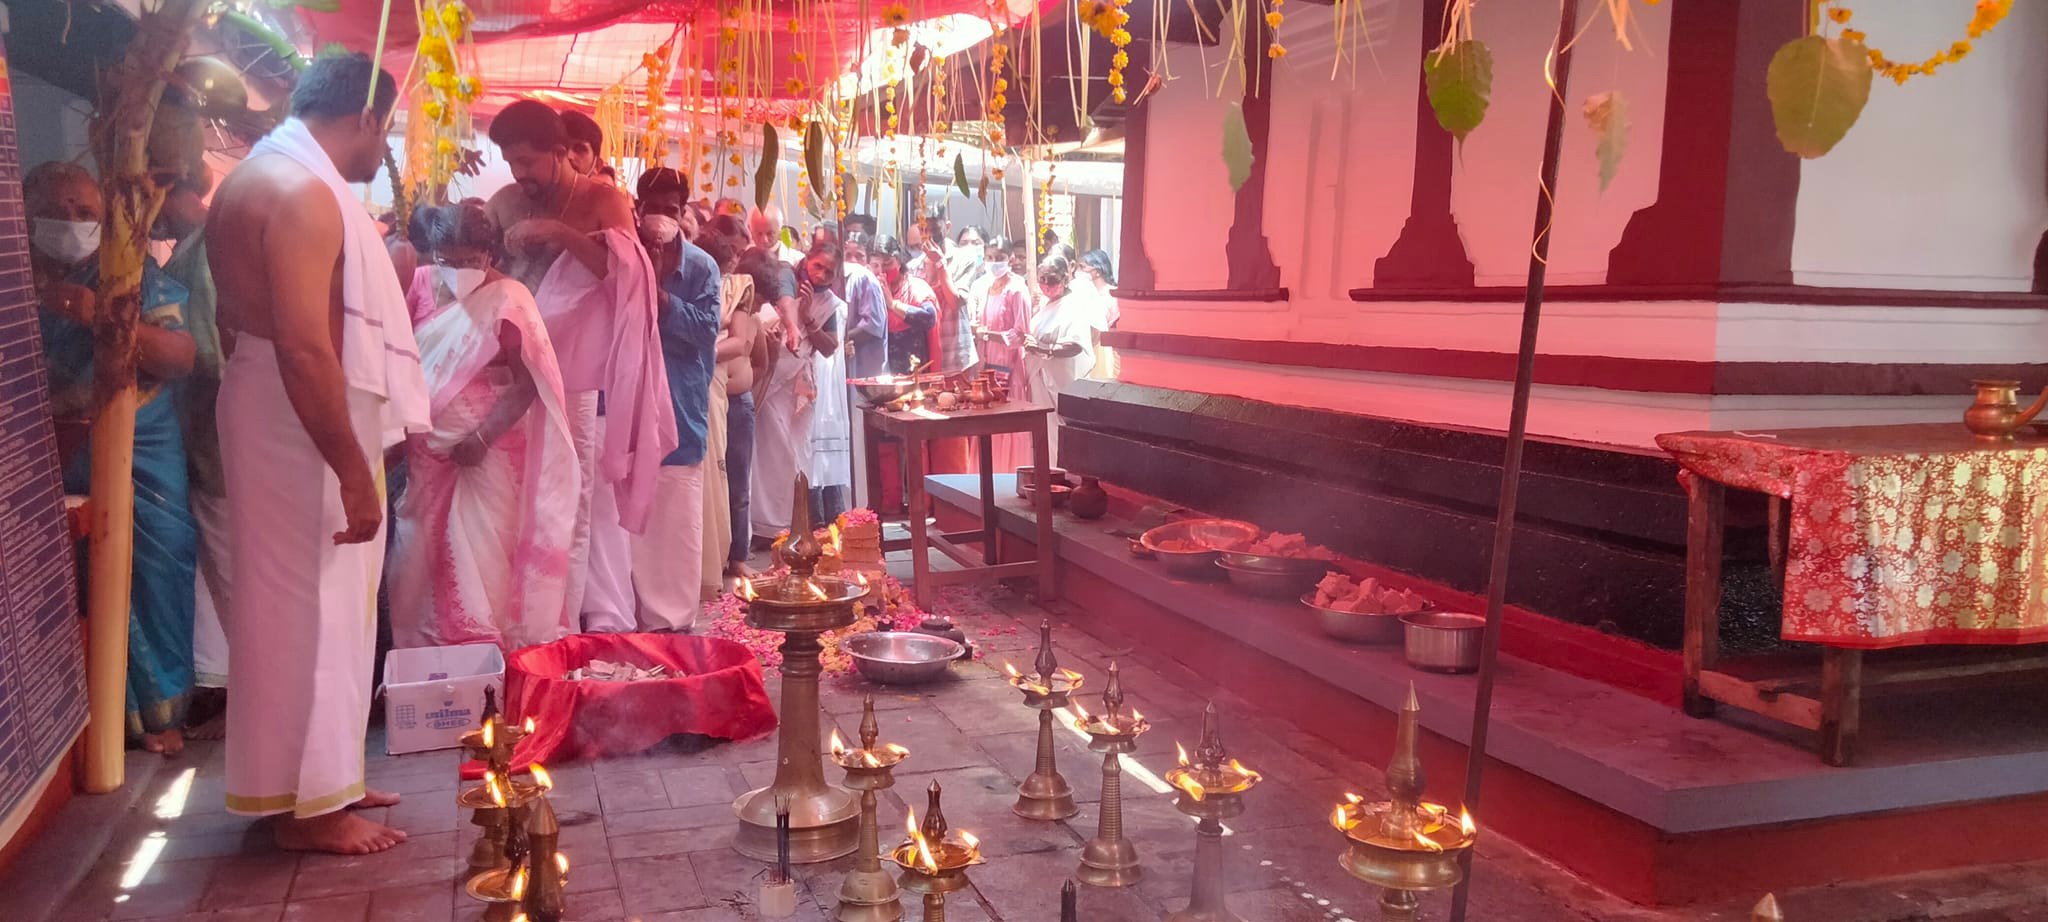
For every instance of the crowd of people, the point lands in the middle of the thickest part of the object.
(570, 408)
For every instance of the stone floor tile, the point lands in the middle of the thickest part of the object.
(1017, 755)
(419, 860)
(631, 791)
(351, 907)
(268, 913)
(250, 880)
(699, 817)
(429, 902)
(698, 785)
(425, 814)
(657, 884)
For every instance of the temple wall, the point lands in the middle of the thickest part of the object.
(1943, 186)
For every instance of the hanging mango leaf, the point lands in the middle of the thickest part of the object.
(1607, 114)
(764, 173)
(1237, 146)
(960, 175)
(814, 160)
(1818, 87)
(1460, 81)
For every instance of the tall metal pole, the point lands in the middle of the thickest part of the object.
(1518, 425)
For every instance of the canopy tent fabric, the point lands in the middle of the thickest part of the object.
(579, 48)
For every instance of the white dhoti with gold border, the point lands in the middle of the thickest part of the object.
(303, 633)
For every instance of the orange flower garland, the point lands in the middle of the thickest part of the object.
(1989, 13)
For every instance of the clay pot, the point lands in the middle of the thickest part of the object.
(1089, 500)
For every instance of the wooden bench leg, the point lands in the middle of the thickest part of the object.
(1778, 532)
(1841, 703)
(1705, 510)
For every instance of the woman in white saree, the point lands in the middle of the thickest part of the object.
(484, 528)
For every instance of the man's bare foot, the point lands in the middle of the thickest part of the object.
(167, 744)
(214, 729)
(340, 833)
(739, 568)
(375, 799)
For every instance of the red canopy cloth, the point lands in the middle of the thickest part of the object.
(717, 692)
(1900, 535)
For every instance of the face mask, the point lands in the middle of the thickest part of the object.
(69, 242)
(662, 228)
(999, 269)
(459, 282)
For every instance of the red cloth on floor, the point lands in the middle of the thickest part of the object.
(717, 692)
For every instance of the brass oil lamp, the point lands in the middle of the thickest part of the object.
(1404, 845)
(1210, 788)
(491, 743)
(544, 899)
(869, 894)
(1109, 859)
(801, 605)
(1045, 794)
(516, 798)
(935, 858)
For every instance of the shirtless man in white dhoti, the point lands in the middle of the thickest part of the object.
(322, 377)
(572, 240)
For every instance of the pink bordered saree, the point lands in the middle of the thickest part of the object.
(482, 552)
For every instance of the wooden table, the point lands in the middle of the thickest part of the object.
(1877, 541)
(915, 428)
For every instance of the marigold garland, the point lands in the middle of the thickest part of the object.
(434, 140)
(998, 91)
(1988, 14)
(654, 135)
(1274, 18)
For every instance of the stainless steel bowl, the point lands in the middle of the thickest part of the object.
(881, 391)
(1275, 577)
(1442, 641)
(1355, 627)
(1212, 535)
(901, 657)
(1060, 492)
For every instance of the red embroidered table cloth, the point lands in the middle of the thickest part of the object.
(1899, 535)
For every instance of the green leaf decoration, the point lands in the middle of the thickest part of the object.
(1459, 77)
(1237, 146)
(1818, 87)
(814, 160)
(316, 6)
(960, 175)
(1607, 114)
(764, 173)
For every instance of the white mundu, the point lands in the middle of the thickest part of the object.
(303, 631)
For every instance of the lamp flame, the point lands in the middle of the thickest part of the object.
(868, 759)
(817, 592)
(497, 791)
(1011, 671)
(542, 778)
(838, 745)
(562, 863)
(1427, 844)
(973, 842)
(893, 748)
(527, 727)
(861, 578)
(833, 533)
(519, 883)
(1353, 799)
(925, 860)
(1182, 752)
(1340, 817)
(745, 589)
(489, 735)
(1186, 782)
(1239, 768)
(1137, 715)
(1081, 716)
(1465, 824)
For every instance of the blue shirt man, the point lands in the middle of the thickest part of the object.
(688, 322)
(867, 323)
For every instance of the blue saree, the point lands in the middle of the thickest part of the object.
(166, 539)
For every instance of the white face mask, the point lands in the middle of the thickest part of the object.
(662, 228)
(69, 242)
(459, 282)
(999, 268)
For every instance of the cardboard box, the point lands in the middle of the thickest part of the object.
(433, 695)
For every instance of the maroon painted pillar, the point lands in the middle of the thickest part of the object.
(1429, 253)
(1249, 255)
(1134, 270)
(1727, 191)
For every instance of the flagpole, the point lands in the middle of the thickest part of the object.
(1558, 69)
